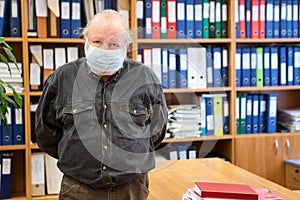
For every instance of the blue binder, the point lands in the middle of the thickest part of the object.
(295, 18)
(198, 19)
(225, 66)
(283, 66)
(209, 67)
(289, 19)
(18, 127)
(255, 113)
(4, 19)
(6, 176)
(226, 115)
(238, 67)
(248, 18)
(267, 66)
(203, 115)
(272, 100)
(253, 66)
(165, 68)
(148, 21)
(274, 66)
(190, 18)
(181, 19)
(249, 114)
(269, 18)
(290, 66)
(15, 17)
(181, 68)
(262, 113)
(283, 18)
(75, 19)
(296, 66)
(65, 19)
(217, 67)
(276, 24)
(246, 67)
(7, 134)
(172, 68)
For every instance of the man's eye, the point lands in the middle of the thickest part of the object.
(97, 43)
(114, 45)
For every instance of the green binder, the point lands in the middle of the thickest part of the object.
(224, 17)
(205, 19)
(163, 19)
(218, 15)
(259, 67)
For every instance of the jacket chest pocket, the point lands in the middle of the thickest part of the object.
(131, 118)
(77, 115)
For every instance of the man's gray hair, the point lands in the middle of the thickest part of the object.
(109, 13)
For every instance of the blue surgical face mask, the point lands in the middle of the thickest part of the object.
(105, 62)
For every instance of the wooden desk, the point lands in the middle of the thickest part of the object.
(170, 179)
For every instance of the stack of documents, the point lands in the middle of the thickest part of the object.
(14, 77)
(289, 119)
(184, 121)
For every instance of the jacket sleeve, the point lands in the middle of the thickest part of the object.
(48, 132)
(159, 119)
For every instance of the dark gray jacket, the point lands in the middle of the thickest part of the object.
(103, 133)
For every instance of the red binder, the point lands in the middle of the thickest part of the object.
(255, 19)
(155, 19)
(242, 16)
(262, 18)
(225, 190)
(171, 19)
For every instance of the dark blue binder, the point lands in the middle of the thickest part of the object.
(181, 19)
(238, 63)
(217, 67)
(226, 115)
(269, 18)
(296, 65)
(209, 67)
(295, 18)
(165, 68)
(209, 115)
(283, 67)
(75, 18)
(15, 18)
(289, 19)
(18, 127)
(276, 24)
(274, 66)
(6, 176)
(225, 66)
(253, 66)
(267, 67)
(198, 19)
(245, 63)
(249, 114)
(65, 19)
(148, 17)
(262, 113)
(172, 68)
(248, 18)
(237, 19)
(271, 120)
(290, 66)
(190, 18)
(7, 134)
(283, 19)
(181, 68)
(4, 19)
(255, 113)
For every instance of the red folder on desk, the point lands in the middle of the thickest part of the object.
(225, 190)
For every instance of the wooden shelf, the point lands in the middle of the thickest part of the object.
(12, 147)
(46, 197)
(10, 39)
(200, 90)
(183, 41)
(194, 139)
(269, 40)
(55, 40)
(268, 88)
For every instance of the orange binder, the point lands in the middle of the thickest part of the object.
(155, 19)
(242, 18)
(171, 19)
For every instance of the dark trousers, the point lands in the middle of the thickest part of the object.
(136, 189)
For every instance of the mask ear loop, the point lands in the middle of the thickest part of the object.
(86, 46)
